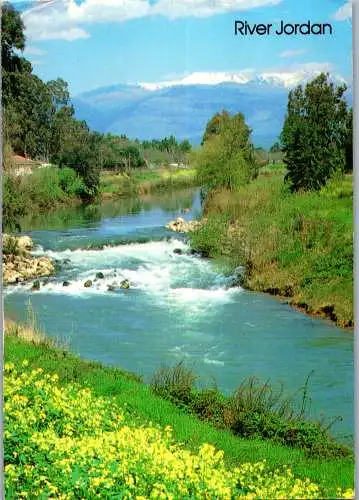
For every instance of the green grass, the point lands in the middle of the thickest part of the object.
(146, 181)
(294, 245)
(143, 407)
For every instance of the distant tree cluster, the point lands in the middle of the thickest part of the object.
(39, 121)
(317, 134)
(120, 153)
(38, 117)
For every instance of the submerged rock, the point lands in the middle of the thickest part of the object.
(66, 283)
(125, 284)
(88, 284)
(100, 275)
(113, 287)
(177, 251)
(36, 286)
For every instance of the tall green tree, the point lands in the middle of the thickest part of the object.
(215, 124)
(226, 158)
(12, 38)
(314, 133)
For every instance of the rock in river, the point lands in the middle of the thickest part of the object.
(181, 226)
(100, 275)
(88, 284)
(19, 265)
(125, 284)
(36, 286)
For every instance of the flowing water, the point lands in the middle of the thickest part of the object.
(179, 306)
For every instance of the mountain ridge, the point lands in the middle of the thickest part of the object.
(183, 110)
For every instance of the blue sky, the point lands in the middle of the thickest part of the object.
(97, 43)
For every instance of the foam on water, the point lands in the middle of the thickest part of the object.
(170, 279)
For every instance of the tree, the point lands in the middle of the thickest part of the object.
(314, 133)
(214, 125)
(82, 153)
(275, 148)
(226, 158)
(12, 37)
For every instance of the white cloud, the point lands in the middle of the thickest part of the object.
(65, 19)
(292, 53)
(205, 8)
(344, 12)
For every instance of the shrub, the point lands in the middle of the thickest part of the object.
(174, 383)
(14, 203)
(43, 187)
(255, 409)
(70, 182)
(209, 239)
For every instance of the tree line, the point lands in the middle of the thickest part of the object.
(39, 121)
(316, 141)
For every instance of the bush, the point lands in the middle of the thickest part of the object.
(70, 182)
(174, 383)
(14, 203)
(208, 240)
(255, 409)
(42, 187)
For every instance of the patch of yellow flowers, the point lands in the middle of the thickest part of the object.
(64, 442)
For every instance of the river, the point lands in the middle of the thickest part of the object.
(179, 306)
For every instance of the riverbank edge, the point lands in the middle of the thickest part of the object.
(250, 277)
(19, 265)
(28, 342)
(127, 184)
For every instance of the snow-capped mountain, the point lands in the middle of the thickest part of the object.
(285, 79)
(183, 107)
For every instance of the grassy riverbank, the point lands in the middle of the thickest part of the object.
(44, 190)
(139, 182)
(81, 439)
(297, 246)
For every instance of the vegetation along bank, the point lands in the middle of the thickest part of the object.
(93, 430)
(290, 227)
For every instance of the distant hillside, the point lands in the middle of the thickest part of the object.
(183, 110)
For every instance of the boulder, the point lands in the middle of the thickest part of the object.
(125, 284)
(88, 284)
(20, 265)
(177, 251)
(100, 275)
(25, 243)
(66, 283)
(179, 225)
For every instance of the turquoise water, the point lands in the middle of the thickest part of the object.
(179, 307)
